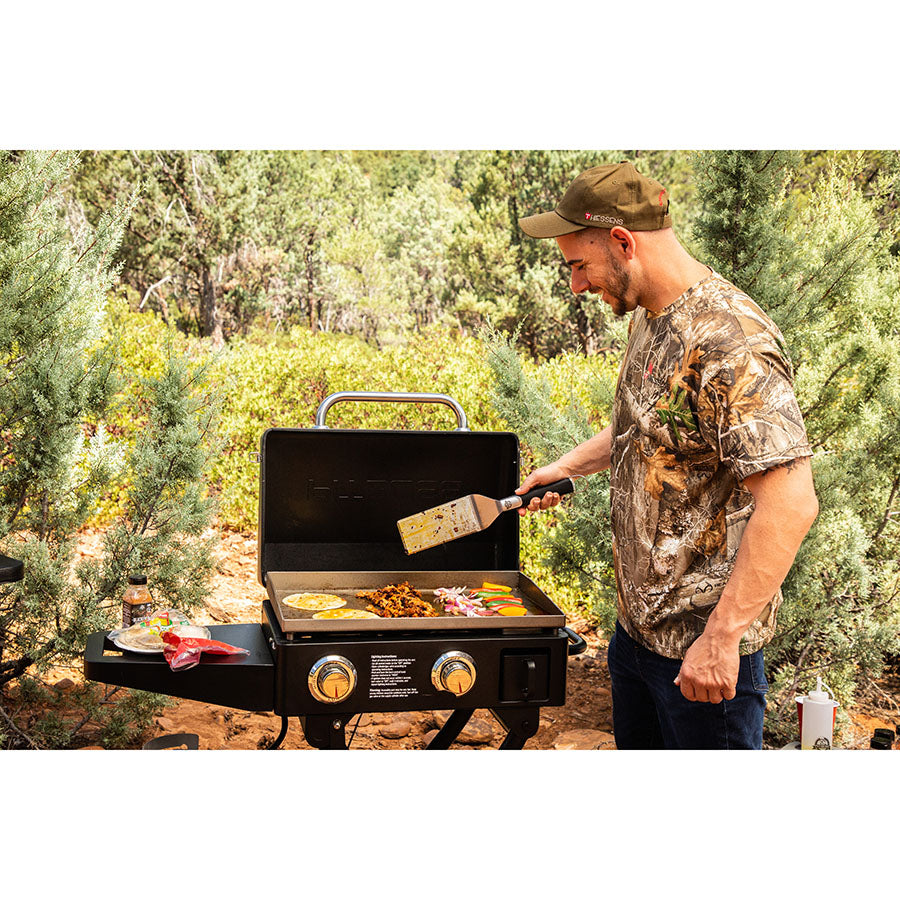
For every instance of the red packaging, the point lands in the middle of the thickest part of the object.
(185, 652)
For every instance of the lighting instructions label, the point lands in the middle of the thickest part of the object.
(390, 676)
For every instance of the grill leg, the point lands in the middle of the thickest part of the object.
(281, 734)
(452, 727)
(325, 732)
(520, 724)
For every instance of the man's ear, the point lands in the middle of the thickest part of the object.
(623, 240)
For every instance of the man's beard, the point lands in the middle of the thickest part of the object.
(619, 282)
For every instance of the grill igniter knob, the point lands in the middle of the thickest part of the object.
(332, 679)
(454, 671)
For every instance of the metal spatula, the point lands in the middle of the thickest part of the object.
(465, 516)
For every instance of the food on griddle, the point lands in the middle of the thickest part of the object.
(500, 602)
(345, 614)
(511, 611)
(397, 601)
(488, 586)
(460, 601)
(499, 599)
(314, 601)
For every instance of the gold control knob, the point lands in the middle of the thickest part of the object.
(332, 679)
(454, 672)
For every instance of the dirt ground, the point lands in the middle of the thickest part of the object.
(585, 722)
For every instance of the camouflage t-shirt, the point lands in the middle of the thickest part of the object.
(704, 399)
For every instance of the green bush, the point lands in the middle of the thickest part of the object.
(61, 458)
(280, 380)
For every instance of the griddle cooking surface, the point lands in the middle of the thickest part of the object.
(541, 612)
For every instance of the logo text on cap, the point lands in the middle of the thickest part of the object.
(596, 217)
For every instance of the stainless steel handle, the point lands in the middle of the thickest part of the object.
(391, 397)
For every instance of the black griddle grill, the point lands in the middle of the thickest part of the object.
(329, 501)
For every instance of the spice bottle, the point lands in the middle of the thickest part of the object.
(137, 602)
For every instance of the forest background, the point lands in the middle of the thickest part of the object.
(160, 309)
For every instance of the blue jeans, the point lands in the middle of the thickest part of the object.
(651, 713)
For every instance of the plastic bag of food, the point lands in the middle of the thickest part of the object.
(138, 638)
(163, 619)
(146, 636)
(185, 652)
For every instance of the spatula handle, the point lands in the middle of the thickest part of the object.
(565, 486)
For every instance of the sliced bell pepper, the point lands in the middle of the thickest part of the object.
(495, 587)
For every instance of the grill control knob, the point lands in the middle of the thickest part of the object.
(454, 672)
(332, 679)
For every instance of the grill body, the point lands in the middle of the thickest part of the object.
(394, 670)
(329, 501)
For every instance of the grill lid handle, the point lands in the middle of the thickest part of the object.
(390, 397)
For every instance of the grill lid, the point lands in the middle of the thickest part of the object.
(330, 499)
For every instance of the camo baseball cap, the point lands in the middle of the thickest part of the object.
(603, 197)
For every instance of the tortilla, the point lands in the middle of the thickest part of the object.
(136, 638)
(194, 631)
(345, 614)
(313, 601)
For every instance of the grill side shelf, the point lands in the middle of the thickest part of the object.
(243, 682)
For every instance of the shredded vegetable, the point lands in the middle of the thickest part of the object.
(458, 601)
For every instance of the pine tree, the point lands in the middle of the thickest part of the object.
(59, 378)
(509, 279)
(819, 263)
(192, 228)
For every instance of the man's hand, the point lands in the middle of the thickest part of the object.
(588, 457)
(709, 672)
(544, 475)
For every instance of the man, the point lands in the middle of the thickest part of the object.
(711, 486)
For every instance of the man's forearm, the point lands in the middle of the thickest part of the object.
(591, 456)
(768, 546)
(785, 509)
(763, 560)
(587, 458)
